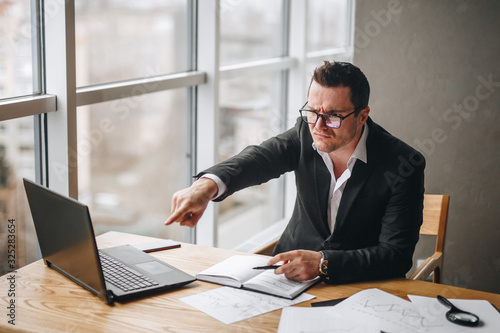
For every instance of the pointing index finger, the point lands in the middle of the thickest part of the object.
(178, 216)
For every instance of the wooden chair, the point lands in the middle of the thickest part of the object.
(267, 249)
(434, 224)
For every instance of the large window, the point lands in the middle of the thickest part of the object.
(16, 71)
(132, 159)
(120, 40)
(17, 136)
(148, 93)
(250, 30)
(251, 105)
(132, 150)
(17, 160)
(250, 112)
(328, 24)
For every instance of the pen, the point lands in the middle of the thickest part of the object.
(267, 267)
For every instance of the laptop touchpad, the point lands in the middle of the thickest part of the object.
(154, 267)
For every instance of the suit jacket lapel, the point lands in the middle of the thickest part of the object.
(360, 174)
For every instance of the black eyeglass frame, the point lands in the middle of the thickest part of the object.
(324, 116)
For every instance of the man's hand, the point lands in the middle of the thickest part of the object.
(299, 265)
(189, 204)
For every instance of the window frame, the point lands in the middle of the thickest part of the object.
(56, 98)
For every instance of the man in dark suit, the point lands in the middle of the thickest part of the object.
(359, 189)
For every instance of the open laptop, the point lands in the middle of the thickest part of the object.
(67, 242)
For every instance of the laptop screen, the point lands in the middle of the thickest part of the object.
(66, 236)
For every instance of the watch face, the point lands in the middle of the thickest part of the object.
(324, 267)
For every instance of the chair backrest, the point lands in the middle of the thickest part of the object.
(435, 214)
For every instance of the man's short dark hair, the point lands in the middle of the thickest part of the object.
(343, 74)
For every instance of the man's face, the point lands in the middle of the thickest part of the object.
(327, 100)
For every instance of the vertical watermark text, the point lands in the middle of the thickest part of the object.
(11, 276)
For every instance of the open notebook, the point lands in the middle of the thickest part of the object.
(237, 271)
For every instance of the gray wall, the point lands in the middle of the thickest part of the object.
(434, 71)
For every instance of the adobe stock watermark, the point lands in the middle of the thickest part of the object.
(406, 168)
(456, 115)
(12, 273)
(51, 8)
(272, 127)
(373, 28)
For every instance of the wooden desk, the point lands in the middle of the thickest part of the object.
(48, 302)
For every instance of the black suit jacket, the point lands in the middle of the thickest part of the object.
(380, 212)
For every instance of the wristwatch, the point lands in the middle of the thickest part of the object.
(323, 265)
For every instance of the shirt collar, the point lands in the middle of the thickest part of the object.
(360, 151)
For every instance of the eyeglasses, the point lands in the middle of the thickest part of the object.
(330, 120)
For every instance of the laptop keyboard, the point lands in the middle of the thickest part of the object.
(123, 277)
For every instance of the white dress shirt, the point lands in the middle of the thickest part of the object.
(337, 185)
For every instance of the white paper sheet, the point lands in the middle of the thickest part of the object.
(384, 311)
(435, 313)
(319, 320)
(230, 305)
(373, 310)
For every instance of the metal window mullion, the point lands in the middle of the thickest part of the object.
(191, 106)
(118, 90)
(260, 66)
(327, 53)
(207, 119)
(36, 47)
(191, 109)
(297, 78)
(38, 88)
(284, 77)
(38, 68)
(350, 25)
(60, 80)
(26, 106)
(39, 149)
